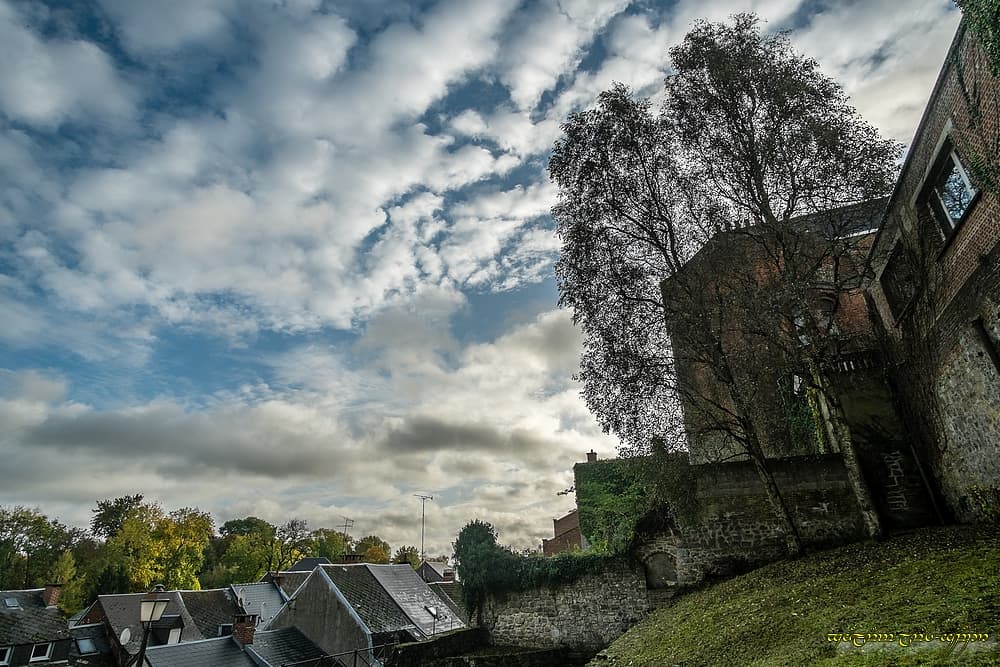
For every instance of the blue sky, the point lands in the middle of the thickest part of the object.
(294, 258)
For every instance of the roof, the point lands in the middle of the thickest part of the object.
(289, 581)
(210, 609)
(414, 597)
(31, 621)
(450, 593)
(438, 566)
(287, 645)
(263, 598)
(218, 652)
(96, 634)
(370, 600)
(309, 564)
(122, 611)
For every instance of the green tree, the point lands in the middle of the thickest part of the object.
(185, 535)
(372, 541)
(477, 561)
(64, 572)
(292, 543)
(30, 544)
(407, 554)
(332, 544)
(111, 513)
(136, 547)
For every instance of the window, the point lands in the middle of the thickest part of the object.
(898, 281)
(86, 646)
(11, 603)
(175, 636)
(5, 652)
(40, 652)
(949, 191)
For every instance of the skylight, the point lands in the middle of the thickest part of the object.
(86, 646)
(11, 603)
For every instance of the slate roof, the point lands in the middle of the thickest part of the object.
(122, 611)
(263, 599)
(374, 605)
(440, 567)
(290, 581)
(217, 652)
(210, 609)
(94, 632)
(414, 597)
(450, 593)
(280, 647)
(271, 647)
(309, 564)
(31, 622)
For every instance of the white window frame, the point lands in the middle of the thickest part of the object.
(5, 652)
(41, 658)
(174, 637)
(942, 208)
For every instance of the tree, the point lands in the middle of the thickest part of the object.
(475, 552)
(407, 555)
(751, 138)
(374, 549)
(291, 544)
(30, 544)
(332, 544)
(185, 535)
(64, 572)
(111, 513)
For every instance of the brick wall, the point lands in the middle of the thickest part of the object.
(946, 383)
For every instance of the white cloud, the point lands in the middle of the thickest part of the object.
(47, 82)
(157, 26)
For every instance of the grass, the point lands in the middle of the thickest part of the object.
(932, 580)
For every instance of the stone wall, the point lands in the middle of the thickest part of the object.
(586, 615)
(735, 528)
(417, 654)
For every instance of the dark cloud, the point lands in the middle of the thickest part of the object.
(432, 434)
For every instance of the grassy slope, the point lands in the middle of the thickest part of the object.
(932, 580)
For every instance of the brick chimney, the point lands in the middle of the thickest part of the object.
(244, 626)
(51, 594)
(591, 456)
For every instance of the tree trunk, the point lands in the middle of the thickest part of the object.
(793, 541)
(841, 433)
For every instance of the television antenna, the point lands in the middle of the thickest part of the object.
(423, 502)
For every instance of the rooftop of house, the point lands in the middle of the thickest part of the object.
(438, 566)
(270, 647)
(122, 611)
(210, 609)
(25, 619)
(370, 599)
(263, 598)
(309, 564)
(420, 604)
(450, 593)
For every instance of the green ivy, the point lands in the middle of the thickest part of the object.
(984, 18)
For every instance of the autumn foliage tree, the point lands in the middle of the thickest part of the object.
(751, 139)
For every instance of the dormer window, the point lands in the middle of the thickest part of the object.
(40, 652)
(5, 652)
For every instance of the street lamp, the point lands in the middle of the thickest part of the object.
(151, 609)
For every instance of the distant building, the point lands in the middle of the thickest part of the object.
(32, 629)
(566, 536)
(434, 570)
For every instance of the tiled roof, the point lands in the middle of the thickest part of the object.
(263, 599)
(96, 634)
(210, 609)
(309, 564)
(439, 566)
(415, 598)
(31, 621)
(217, 652)
(122, 611)
(370, 600)
(287, 645)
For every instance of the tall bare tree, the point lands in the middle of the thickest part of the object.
(740, 194)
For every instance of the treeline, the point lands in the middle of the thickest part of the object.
(132, 545)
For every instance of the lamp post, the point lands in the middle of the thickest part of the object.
(151, 609)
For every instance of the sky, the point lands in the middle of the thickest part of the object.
(293, 258)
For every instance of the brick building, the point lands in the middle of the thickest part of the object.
(935, 292)
(566, 536)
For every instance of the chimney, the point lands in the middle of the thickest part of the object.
(51, 594)
(244, 625)
(591, 456)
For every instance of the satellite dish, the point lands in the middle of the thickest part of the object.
(125, 637)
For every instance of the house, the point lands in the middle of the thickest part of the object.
(245, 647)
(435, 570)
(935, 287)
(90, 647)
(343, 608)
(32, 629)
(566, 536)
(190, 616)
